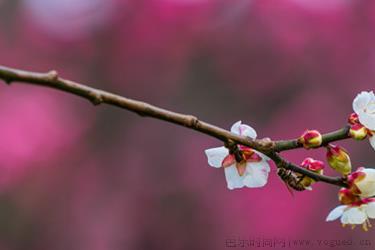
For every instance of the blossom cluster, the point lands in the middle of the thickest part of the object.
(357, 205)
(247, 167)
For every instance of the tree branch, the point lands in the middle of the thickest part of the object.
(327, 138)
(282, 163)
(97, 96)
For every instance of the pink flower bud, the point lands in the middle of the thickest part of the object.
(338, 158)
(313, 165)
(353, 119)
(358, 131)
(310, 139)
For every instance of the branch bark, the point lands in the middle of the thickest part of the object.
(51, 79)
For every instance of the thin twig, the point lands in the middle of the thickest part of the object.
(51, 79)
(282, 163)
(327, 138)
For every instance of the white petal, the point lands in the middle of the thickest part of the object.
(369, 172)
(362, 100)
(216, 156)
(372, 141)
(335, 213)
(370, 210)
(344, 218)
(354, 215)
(236, 127)
(367, 119)
(234, 180)
(367, 185)
(263, 156)
(243, 129)
(257, 174)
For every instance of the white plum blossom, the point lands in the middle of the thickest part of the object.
(362, 182)
(364, 107)
(251, 170)
(355, 214)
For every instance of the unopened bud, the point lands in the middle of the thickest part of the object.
(312, 165)
(358, 131)
(310, 139)
(353, 119)
(338, 158)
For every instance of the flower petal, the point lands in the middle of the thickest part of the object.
(362, 100)
(370, 210)
(243, 129)
(367, 185)
(228, 161)
(216, 156)
(336, 213)
(257, 174)
(368, 120)
(241, 168)
(354, 215)
(344, 219)
(264, 157)
(364, 106)
(234, 180)
(236, 127)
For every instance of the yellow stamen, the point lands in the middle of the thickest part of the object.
(364, 226)
(368, 223)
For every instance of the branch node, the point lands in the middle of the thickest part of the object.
(96, 99)
(266, 144)
(52, 75)
(193, 121)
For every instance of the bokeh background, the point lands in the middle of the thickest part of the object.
(74, 176)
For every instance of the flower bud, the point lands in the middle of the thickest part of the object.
(353, 119)
(310, 139)
(362, 182)
(338, 158)
(358, 132)
(312, 165)
(346, 197)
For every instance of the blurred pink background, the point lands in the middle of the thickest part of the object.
(74, 176)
